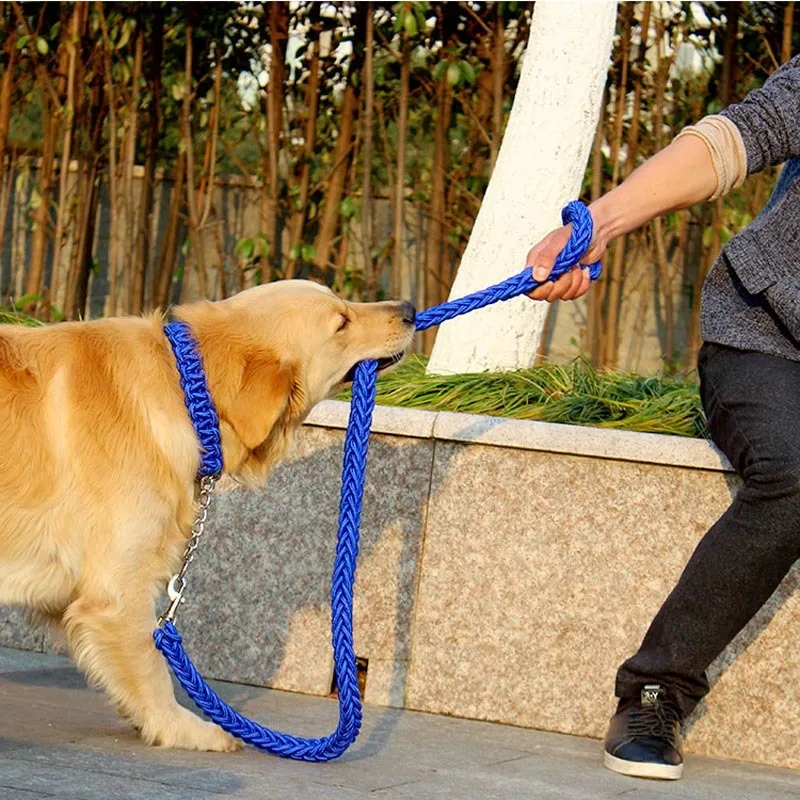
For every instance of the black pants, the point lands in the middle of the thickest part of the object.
(752, 402)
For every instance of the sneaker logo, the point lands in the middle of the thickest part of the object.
(651, 694)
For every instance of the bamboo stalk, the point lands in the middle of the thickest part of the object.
(127, 205)
(367, 125)
(211, 160)
(196, 245)
(113, 177)
(619, 116)
(594, 332)
(617, 273)
(788, 27)
(665, 276)
(145, 215)
(40, 216)
(278, 35)
(498, 81)
(435, 231)
(298, 218)
(169, 247)
(401, 285)
(10, 57)
(18, 232)
(329, 220)
(68, 120)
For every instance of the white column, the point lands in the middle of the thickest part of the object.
(539, 169)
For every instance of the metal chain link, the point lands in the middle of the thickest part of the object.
(177, 583)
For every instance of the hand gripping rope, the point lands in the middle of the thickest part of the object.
(204, 418)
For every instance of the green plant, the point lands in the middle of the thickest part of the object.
(574, 393)
(13, 316)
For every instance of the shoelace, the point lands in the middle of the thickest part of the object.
(657, 720)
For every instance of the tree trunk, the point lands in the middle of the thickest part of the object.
(788, 27)
(367, 125)
(80, 268)
(298, 219)
(6, 93)
(71, 39)
(278, 36)
(114, 246)
(206, 194)
(130, 210)
(169, 247)
(329, 220)
(10, 53)
(41, 214)
(622, 84)
(19, 230)
(435, 227)
(728, 78)
(340, 283)
(89, 118)
(539, 168)
(197, 253)
(616, 275)
(401, 283)
(145, 214)
(498, 81)
(664, 273)
(594, 332)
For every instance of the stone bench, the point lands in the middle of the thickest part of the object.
(506, 568)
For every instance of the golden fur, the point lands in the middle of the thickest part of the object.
(98, 463)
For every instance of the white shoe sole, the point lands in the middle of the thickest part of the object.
(642, 769)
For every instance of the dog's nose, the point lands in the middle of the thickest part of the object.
(409, 312)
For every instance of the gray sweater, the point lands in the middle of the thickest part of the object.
(751, 297)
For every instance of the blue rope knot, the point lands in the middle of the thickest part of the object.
(201, 409)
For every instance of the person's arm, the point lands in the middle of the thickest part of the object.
(678, 176)
(767, 126)
(768, 119)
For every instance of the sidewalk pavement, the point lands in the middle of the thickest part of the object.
(60, 739)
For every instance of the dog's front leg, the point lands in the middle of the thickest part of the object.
(112, 643)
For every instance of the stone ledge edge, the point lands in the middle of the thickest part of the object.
(648, 448)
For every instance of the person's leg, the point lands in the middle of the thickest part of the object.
(751, 403)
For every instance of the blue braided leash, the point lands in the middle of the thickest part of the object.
(204, 417)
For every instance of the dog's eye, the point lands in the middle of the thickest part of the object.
(343, 323)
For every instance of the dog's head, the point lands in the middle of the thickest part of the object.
(272, 352)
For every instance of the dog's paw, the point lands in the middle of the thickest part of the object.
(188, 732)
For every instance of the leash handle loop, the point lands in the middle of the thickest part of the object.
(574, 213)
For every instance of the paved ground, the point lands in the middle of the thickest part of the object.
(60, 739)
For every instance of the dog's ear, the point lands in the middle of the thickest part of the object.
(266, 392)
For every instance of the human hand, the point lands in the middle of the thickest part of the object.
(570, 285)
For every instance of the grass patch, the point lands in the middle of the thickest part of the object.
(11, 316)
(575, 393)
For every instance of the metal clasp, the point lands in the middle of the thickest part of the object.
(177, 583)
(175, 597)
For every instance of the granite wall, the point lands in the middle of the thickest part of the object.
(505, 569)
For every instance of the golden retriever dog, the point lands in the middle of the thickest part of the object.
(99, 458)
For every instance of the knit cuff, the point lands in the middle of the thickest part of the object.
(726, 147)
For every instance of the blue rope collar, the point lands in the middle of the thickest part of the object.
(198, 400)
(201, 409)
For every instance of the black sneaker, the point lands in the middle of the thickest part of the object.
(644, 736)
